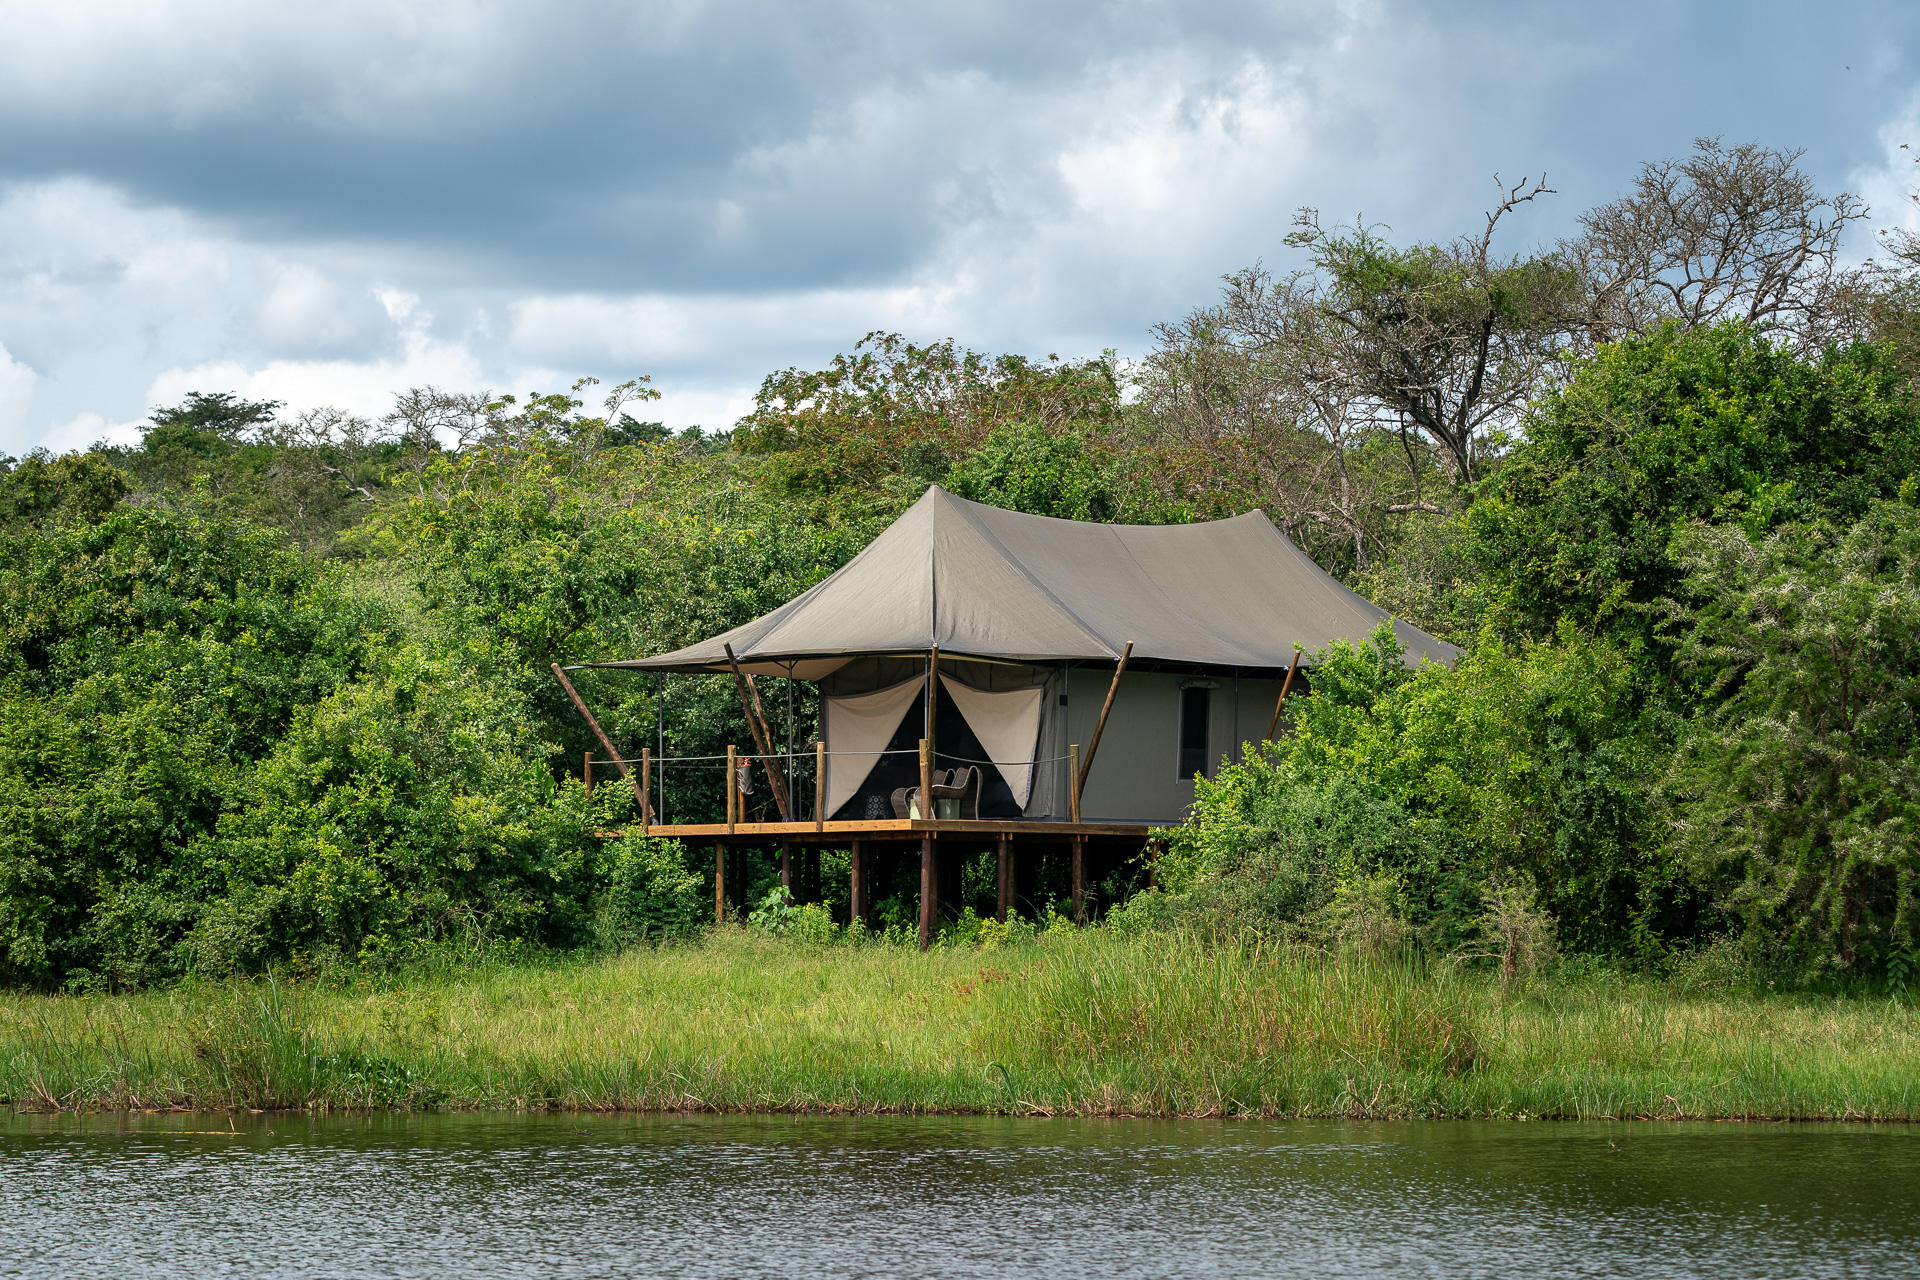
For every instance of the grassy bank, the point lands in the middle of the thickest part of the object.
(1079, 1023)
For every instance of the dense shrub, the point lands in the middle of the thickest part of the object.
(1798, 796)
(652, 893)
(1417, 786)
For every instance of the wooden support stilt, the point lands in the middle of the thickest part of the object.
(1073, 781)
(1003, 878)
(719, 884)
(926, 777)
(646, 789)
(820, 785)
(1079, 880)
(929, 892)
(786, 869)
(857, 899)
(598, 732)
(733, 788)
(1086, 766)
(1273, 725)
(586, 772)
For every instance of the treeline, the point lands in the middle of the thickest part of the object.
(274, 689)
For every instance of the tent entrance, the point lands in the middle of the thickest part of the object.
(955, 743)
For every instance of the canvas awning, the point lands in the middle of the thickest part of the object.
(981, 582)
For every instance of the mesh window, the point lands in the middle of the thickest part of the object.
(1196, 707)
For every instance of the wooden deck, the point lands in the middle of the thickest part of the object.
(894, 836)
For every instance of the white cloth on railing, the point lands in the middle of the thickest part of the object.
(1008, 726)
(857, 724)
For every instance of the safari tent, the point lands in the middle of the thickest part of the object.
(1023, 620)
(992, 677)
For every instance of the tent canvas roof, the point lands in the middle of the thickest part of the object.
(981, 582)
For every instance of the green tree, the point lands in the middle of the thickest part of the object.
(1025, 467)
(874, 428)
(1653, 433)
(1798, 795)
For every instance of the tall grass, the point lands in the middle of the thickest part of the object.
(1080, 1022)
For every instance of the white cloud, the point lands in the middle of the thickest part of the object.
(365, 386)
(16, 394)
(87, 429)
(1892, 188)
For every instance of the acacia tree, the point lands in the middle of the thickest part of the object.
(1728, 233)
(1251, 387)
(1447, 341)
(1334, 394)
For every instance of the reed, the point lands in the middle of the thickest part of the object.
(1081, 1022)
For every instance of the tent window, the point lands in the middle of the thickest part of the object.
(1196, 707)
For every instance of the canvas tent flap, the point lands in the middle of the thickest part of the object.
(1007, 724)
(856, 729)
(988, 583)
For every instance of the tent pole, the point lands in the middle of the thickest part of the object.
(599, 733)
(762, 736)
(660, 732)
(1086, 765)
(794, 816)
(933, 674)
(1285, 685)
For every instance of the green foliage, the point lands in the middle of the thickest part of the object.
(1720, 424)
(410, 807)
(75, 486)
(1025, 467)
(1416, 787)
(867, 434)
(652, 892)
(1798, 796)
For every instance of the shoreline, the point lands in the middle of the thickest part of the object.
(1081, 1024)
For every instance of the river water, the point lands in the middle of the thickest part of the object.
(510, 1195)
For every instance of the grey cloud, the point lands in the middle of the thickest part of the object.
(760, 176)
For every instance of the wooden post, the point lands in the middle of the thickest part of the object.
(598, 732)
(933, 700)
(857, 899)
(926, 777)
(1073, 788)
(1079, 879)
(929, 891)
(1274, 724)
(1003, 879)
(1086, 766)
(719, 884)
(733, 789)
(786, 870)
(820, 785)
(646, 789)
(762, 736)
(586, 773)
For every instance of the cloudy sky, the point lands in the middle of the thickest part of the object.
(330, 201)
